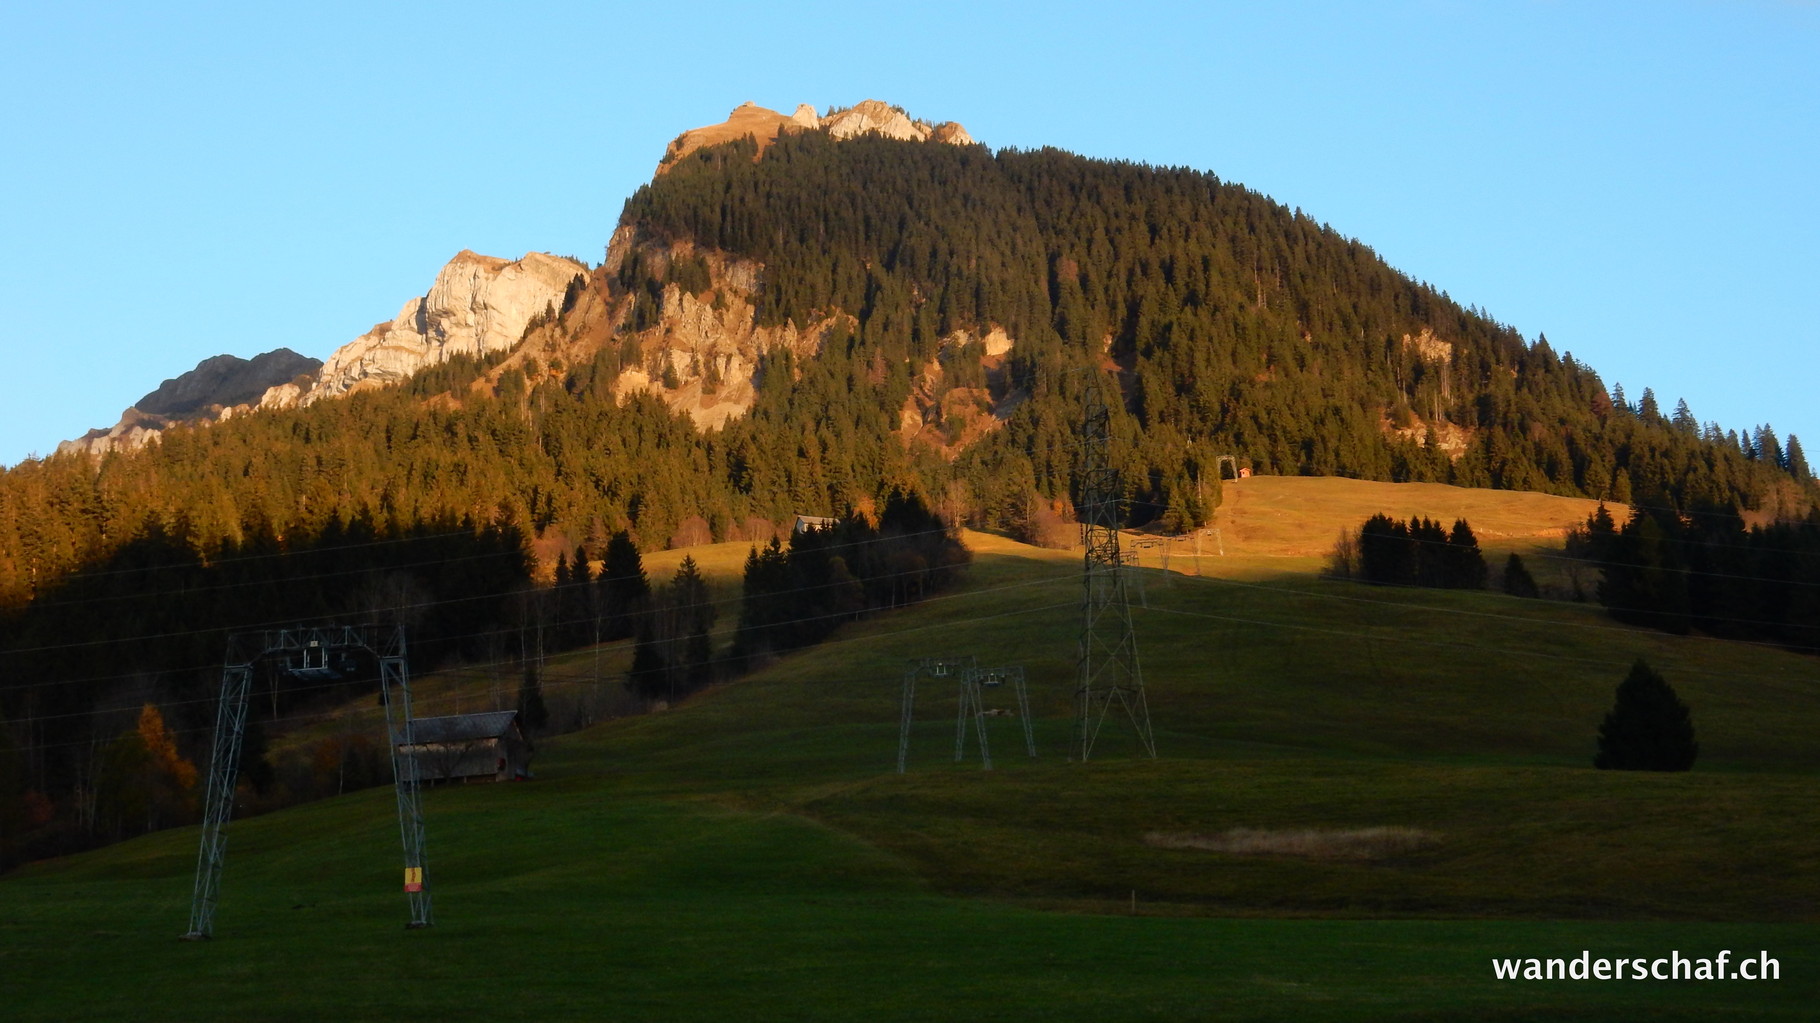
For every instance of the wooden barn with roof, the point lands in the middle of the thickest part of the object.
(804, 523)
(489, 746)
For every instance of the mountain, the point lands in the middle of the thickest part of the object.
(215, 385)
(801, 313)
(477, 306)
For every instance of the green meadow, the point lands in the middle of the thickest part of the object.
(753, 853)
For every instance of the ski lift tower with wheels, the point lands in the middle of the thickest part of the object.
(993, 678)
(315, 653)
(964, 670)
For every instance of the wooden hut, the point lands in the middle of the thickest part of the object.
(804, 523)
(489, 746)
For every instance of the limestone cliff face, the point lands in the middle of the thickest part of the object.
(705, 354)
(135, 430)
(868, 117)
(477, 306)
(876, 118)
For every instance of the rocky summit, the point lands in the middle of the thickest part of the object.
(204, 393)
(477, 306)
(867, 117)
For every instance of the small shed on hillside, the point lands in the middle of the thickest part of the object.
(804, 523)
(489, 746)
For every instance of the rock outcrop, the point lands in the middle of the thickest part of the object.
(1429, 347)
(479, 305)
(705, 354)
(134, 430)
(871, 117)
(868, 117)
(225, 381)
(205, 393)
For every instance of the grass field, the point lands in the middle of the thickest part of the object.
(752, 852)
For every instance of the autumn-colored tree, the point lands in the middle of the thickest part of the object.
(144, 779)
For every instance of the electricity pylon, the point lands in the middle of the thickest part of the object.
(395, 677)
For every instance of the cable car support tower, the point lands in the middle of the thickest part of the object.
(312, 653)
(974, 681)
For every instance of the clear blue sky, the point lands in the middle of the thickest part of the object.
(1638, 181)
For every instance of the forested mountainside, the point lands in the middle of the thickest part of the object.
(1233, 326)
(1237, 325)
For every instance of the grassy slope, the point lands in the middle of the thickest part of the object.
(753, 852)
(1300, 515)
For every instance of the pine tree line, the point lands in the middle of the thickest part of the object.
(1392, 552)
(1708, 572)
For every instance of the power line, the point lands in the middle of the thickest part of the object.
(502, 631)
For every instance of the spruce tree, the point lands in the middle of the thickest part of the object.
(1465, 563)
(1683, 419)
(1648, 728)
(1797, 460)
(649, 675)
(624, 588)
(689, 619)
(1517, 580)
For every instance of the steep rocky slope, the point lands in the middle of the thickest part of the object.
(478, 305)
(703, 351)
(204, 393)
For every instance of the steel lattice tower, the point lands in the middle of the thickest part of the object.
(310, 646)
(394, 674)
(1108, 668)
(974, 681)
(224, 770)
(963, 670)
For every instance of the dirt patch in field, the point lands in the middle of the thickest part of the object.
(1304, 843)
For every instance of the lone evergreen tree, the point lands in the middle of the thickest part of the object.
(649, 675)
(688, 615)
(1517, 580)
(1648, 728)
